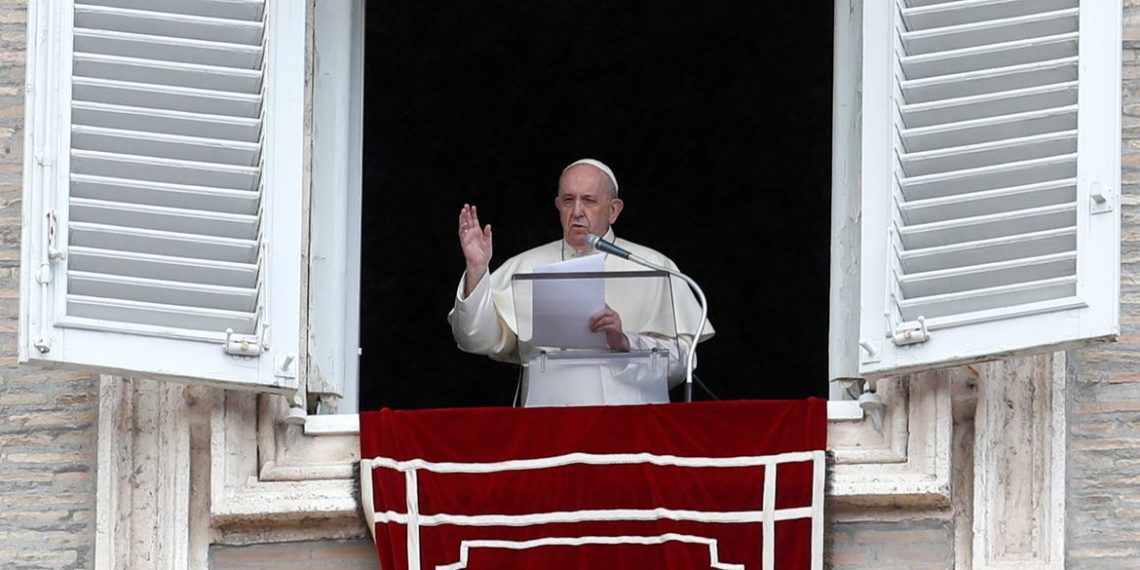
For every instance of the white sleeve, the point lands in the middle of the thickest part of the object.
(677, 352)
(475, 323)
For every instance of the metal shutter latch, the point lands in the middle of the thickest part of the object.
(910, 333)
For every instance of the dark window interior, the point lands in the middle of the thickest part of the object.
(715, 117)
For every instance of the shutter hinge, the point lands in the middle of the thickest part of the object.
(911, 333)
(45, 274)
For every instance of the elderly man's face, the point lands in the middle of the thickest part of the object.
(585, 204)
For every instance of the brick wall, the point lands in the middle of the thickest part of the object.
(1103, 510)
(47, 419)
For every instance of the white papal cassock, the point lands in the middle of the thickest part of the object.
(485, 322)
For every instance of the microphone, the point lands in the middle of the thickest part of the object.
(612, 249)
(603, 245)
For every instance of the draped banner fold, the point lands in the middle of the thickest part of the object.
(726, 485)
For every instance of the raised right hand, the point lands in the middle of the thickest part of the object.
(476, 245)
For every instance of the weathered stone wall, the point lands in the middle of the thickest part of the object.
(342, 555)
(47, 419)
(909, 544)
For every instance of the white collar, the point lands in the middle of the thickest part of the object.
(569, 252)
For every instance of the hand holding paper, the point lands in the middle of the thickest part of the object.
(563, 307)
(608, 321)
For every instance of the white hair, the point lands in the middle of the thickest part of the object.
(600, 166)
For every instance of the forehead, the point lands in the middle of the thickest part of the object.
(583, 180)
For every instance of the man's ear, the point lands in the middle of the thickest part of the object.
(616, 206)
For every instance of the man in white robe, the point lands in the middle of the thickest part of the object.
(483, 320)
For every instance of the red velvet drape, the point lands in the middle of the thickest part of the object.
(657, 486)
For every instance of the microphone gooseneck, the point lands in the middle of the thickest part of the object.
(612, 249)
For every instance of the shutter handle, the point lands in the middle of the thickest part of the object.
(1101, 198)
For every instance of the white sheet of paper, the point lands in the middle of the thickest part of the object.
(562, 307)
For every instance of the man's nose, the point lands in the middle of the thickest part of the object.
(577, 210)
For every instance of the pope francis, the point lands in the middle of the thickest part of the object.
(661, 319)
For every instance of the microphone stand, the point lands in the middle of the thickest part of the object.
(602, 245)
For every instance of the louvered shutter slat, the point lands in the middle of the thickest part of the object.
(979, 300)
(159, 145)
(169, 24)
(180, 50)
(177, 269)
(942, 14)
(987, 153)
(159, 315)
(164, 97)
(943, 112)
(984, 81)
(232, 9)
(985, 173)
(966, 35)
(167, 73)
(112, 286)
(140, 240)
(979, 131)
(160, 218)
(168, 122)
(975, 204)
(942, 281)
(917, 237)
(158, 169)
(977, 58)
(989, 250)
(158, 194)
(990, 177)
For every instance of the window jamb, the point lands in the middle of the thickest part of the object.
(337, 114)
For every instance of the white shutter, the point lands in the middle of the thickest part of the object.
(163, 188)
(991, 176)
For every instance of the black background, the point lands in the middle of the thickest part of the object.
(715, 117)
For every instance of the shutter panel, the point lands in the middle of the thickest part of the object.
(165, 192)
(991, 169)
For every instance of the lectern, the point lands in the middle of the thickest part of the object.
(566, 365)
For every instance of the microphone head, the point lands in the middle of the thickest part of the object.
(592, 240)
